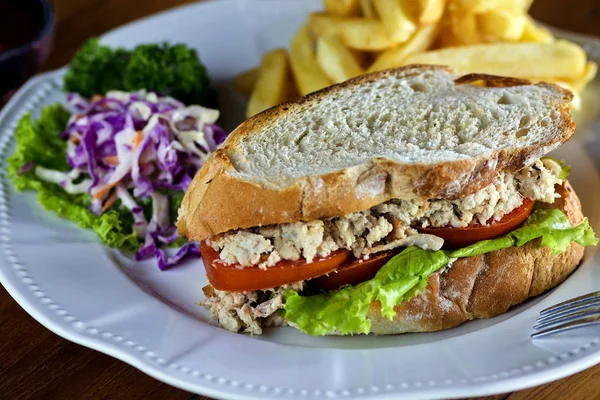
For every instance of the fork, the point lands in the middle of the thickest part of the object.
(571, 314)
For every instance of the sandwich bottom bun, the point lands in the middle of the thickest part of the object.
(486, 285)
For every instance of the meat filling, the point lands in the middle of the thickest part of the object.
(248, 312)
(387, 225)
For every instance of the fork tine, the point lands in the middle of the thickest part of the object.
(568, 303)
(567, 327)
(565, 311)
(575, 316)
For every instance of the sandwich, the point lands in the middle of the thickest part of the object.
(406, 200)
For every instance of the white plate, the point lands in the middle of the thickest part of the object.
(96, 297)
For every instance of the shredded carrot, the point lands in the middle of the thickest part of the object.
(138, 139)
(96, 97)
(74, 139)
(110, 201)
(111, 160)
(99, 194)
(78, 117)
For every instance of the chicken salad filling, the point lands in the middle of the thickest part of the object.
(248, 312)
(388, 225)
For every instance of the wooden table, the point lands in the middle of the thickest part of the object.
(35, 363)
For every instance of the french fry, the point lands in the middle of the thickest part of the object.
(481, 6)
(244, 82)
(446, 36)
(535, 33)
(355, 33)
(464, 28)
(521, 60)
(272, 82)
(527, 4)
(422, 39)
(522, 5)
(307, 73)
(342, 8)
(336, 60)
(501, 24)
(429, 11)
(474, 6)
(395, 18)
(579, 83)
(367, 9)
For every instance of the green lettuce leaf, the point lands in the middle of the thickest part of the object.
(405, 275)
(40, 142)
(556, 231)
(345, 311)
(108, 226)
(552, 225)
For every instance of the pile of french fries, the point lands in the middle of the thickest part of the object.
(353, 37)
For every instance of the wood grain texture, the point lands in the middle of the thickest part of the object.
(36, 363)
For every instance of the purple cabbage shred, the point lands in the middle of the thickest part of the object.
(135, 146)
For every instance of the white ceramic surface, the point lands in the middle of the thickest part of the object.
(99, 298)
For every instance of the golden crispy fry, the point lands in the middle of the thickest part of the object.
(474, 6)
(579, 83)
(430, 11)
(272, 82)
(419, 42)
(501, 24)
(535, 33)
(342, 8)
(464, 28)
(396, 19)
(367, 9)
(522, 5)
(355, 33)
(244, 81)
(481, 6)
(307, 73)
(520, 60)
(336, 60)
(527, 4)
(446, 35)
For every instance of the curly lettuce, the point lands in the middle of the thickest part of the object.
(40, 143)
(171, 69)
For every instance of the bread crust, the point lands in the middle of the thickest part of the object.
(486, 285)
(217, 201)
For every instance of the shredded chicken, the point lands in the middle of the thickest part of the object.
(537, 182)
(247, 311)
(388, 225)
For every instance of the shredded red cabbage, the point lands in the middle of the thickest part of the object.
(132, 146)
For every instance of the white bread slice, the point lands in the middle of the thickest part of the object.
(417, 131)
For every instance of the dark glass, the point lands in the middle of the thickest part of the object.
(26, 28)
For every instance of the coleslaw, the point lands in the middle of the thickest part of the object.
(132, 151)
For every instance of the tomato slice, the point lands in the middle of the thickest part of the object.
(234, 278)
(353, 271)
(460, 237)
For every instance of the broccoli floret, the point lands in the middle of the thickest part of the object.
(173, 70)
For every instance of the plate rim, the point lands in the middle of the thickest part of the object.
(136, 358)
